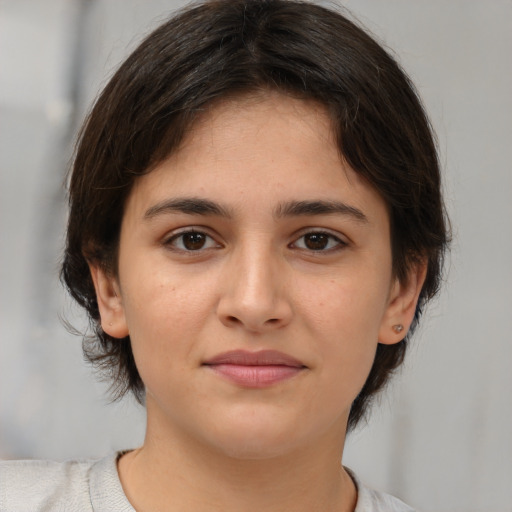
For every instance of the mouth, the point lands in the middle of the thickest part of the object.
(255, 369)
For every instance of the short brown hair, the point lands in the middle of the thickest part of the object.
(221, 48)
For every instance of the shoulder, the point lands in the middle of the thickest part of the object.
(32, 485)
(369, 500)
(48, 486)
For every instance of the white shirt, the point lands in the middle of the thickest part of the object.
(94, 486)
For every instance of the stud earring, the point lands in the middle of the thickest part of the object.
(398, 328)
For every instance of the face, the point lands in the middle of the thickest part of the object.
(255, 282)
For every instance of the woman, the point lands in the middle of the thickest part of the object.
(255, 224)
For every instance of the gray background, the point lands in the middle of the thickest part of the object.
(441, 436)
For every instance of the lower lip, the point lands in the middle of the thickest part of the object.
(260, 376)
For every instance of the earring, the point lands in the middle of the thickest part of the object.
(398, 328)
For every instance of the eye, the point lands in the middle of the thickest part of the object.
(191, 241)
(319, 241)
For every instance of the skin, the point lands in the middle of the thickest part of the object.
(255, 279)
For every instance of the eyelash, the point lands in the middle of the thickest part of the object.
(171, 242)
(338, 243)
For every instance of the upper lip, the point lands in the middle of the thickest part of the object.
(260, 358)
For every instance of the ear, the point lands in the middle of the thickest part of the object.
(113, 320)
(402, 303)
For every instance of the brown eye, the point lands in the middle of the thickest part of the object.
(319, 241)
(191, 241)
(194, 241)
(316, 241)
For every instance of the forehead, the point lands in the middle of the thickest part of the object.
(251, 125)
(264, 148)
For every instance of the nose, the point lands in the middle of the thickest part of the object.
(254, 291)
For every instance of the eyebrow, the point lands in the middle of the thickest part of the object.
(206, 207)
(321, 207)
(188, 205)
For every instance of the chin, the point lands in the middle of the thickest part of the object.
(256, 440)
(254, 448)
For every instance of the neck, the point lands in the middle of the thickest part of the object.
(176, 473)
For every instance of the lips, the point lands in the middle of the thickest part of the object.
(255, 369)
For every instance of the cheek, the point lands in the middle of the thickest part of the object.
(164, 314)
(344, 317)
(157, 299)
(351, 305)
